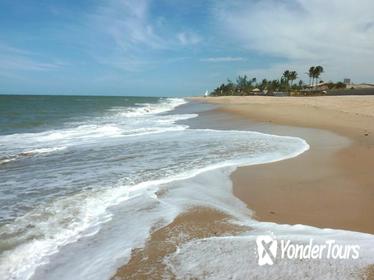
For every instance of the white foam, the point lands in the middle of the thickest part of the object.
(133, 122)
(151, 109)
(234, 257)
(211, 258)
(140, 121)
(6, 160)
(43, 150)
(93, 224)
(28, 153)
(86, 211)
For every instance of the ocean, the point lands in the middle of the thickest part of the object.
(80, 179)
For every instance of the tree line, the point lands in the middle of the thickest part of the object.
(250, 86)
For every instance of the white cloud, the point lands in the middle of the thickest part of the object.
(127, 23)
(15, 59)
(188, 38)
(336, 34)
(222, 59)
(134, 35)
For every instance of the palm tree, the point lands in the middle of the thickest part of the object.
(286, 75)
(318, 70)
(264, 84)
(254, 80)
(311, 74)
(274, 84)
(292, 76)
(314, 73)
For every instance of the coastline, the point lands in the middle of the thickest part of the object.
(333, 149)
(330, 186)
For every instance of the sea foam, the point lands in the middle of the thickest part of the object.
(103, 186)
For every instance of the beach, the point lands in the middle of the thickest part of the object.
(330, 186)
(187, 140)
(333, 186)
(173, 188)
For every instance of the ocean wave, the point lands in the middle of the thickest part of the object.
(143, 109)
(141, 120)
(7, 159)
(213, 258)
(49, 227)
(42, 151)
(29, 153)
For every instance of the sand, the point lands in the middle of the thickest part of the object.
(329, 186)
(199, 222)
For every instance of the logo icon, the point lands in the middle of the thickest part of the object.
(266, 249)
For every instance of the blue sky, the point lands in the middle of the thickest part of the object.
(175, 47)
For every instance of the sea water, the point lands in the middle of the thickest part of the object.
(79, 178)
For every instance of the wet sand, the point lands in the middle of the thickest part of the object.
(329, 186)
(199, 222)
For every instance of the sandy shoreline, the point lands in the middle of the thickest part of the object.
(327, 187)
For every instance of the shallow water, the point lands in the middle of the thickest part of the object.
(80, 179)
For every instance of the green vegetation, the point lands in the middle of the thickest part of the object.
(245, 86)
(286, 84)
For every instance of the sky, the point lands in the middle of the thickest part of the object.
(176, 47)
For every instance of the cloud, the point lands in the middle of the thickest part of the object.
(131, 36)
(188, 38)
(128, 24)
(336, 34)
(222, 59)
(15, 59)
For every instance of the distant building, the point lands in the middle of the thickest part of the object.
(256, 91)
(347, 81)
(319, 86)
